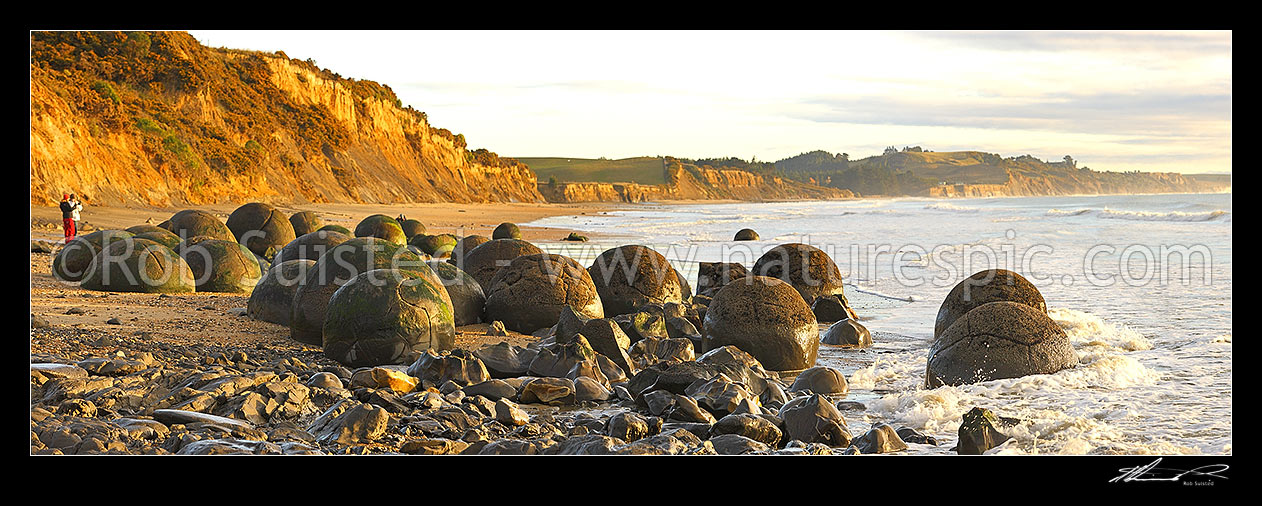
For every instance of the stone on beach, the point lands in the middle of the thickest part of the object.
(998, 340)
(388, 316)
(530, 292)
(991, 285)
(766, 318)
(628, 277)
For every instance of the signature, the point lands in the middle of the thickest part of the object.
(1151, 472)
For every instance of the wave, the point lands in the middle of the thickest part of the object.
(1114, 214)
(943, 206)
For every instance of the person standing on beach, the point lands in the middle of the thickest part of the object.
(75, 208)
(67, 217)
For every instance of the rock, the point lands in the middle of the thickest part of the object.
(411, 228)
(39, 322)
(192, 223)
(381, 377)
(529, 293)
(484, 260)
(506, 231)
(222, 266)
(735, 444)
(179, 416)
(569, 324)
(77, 407)
(978, 433)
(305, 222)
(723, 396)
(47, 371)
(435, 446)
(651, 351)
(40, 247)
(139, 265)
(263, 229)
(754, 427)
(324, 380)
(612, 372)
(627, 426)
(75, 310)
(437, 246)
(631, 276)
(808, 269)
(459, 366)
(114, 321)
(554, 391)
(851, 406)
(675, 377)
(766, 318)
(103, 366)
(556, 361)
(657, 402)
(746, 234)
(910, 435)
(607, 338)
(643, 325)
(310, 246)
(350, 422)
(464, 246)
(821, 380)
(590, 444)
(848, 333)
(503, 360)
(991, 285)
(812, 419)
(381, 227)
(466, 294)
(336, 228)
(773, 397)
(832, 308)
(711, 276)
(161, 236)
(880, 439)
(388, 316)
(496, 328)
(998, 340)
(273, 297)
(575, 236)
(687, 410)
(337, 267)
(587, 389)
(508, 413)
(492, 389)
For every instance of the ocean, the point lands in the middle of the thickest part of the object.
(1140, 283)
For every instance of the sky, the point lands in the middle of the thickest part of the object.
(1151, 101)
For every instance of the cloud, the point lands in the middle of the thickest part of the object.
(1187, 43)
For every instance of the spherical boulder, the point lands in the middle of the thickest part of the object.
(388, 316)
(305, 222)
(193, 222)
(332, 270)
(811, 272)
(991, 285)
(382, 227)
(412, 227)
(336, 228)
(73, 261)
(261, 228)
(437, 246)
(529, 293)
(629, 277)
(506, 231)
(483, 261)
(222, 266)
(145, 228)
(310, 246)
(848, 333)
(273, 297)
(464, 246)
(746, 234)
(820, 380)
(466, 294)
(998, 340)
(766, 318)
(138, 265)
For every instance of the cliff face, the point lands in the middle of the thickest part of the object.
(688, 182)
(172, 122)
(1076, 182)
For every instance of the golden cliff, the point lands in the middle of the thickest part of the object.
(156, 118)
(689, 182)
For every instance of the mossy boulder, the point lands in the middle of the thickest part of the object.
(222, 266)
(746, 234)
(388, 316)
(73, 261)
(811, 271)
(310, 246)
(193, 222)
(262, 228)
(506, 231)
(138, 265)
(336, 228)
(437, 246)
(529, 293)
(991, 285)
(273, 297)
(998, 340)
(412, 227)
(711, 276)
(467, 298)
(628, 277)
(766, 318)
(144, 228)
(381, 227)
(305, 222)
(483, 261)
(332, 270)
